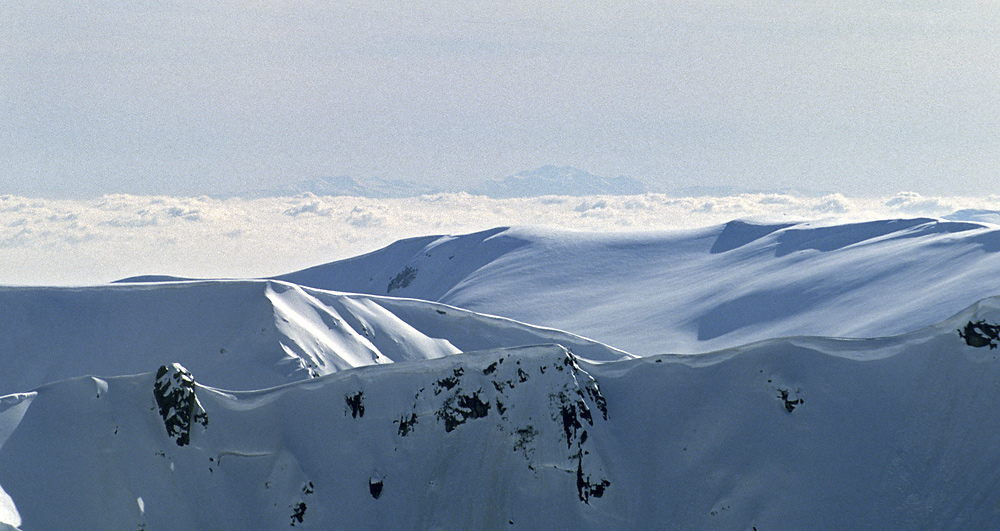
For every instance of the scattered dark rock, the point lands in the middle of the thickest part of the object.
(573, 397)
(174, 391)
(789, 403)
(524, 437)
(375, 487)
(585, 487)
(568, 414)
(356, 403)
(501, 409)
(298, 512)
(503, 385)
(720, 510)
(980, 334)
(449, 382)
(458, 409)
(406, 424)
(595, 395)
(403, 279)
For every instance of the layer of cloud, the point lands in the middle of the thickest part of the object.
(77, 242)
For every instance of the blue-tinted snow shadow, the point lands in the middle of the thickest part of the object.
(752, 309)
(825, 239)
(738, 233)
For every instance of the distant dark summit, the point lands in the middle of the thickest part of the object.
(552, 180)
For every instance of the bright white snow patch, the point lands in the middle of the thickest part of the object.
(12, 409)
(8, 511)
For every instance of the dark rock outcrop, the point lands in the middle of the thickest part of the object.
(174, 391)
(980, 334)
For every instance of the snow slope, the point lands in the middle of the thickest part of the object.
(798, 433)
(688, 292)
(237, 334)
(264, 404)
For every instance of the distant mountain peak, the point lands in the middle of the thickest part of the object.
(550, 170)
(545, 180)
(559, 180)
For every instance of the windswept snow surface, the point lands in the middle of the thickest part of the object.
(266, 404)
(238, 334)
(798, 433)
(699, 290)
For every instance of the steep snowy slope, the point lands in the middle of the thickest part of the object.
(800, 433)
(687, 292)
(237, 334)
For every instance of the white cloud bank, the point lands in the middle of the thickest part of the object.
(80, 242)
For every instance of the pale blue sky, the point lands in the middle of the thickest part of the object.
(184, 97)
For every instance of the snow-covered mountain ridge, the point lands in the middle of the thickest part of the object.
(898, 430)
(266, 404)
(238, 334)
(694, 291)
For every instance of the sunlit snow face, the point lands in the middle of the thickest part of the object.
(198, 98)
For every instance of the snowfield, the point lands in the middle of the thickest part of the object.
(429, 386)
(694, 291)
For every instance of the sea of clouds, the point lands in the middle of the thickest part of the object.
(84, 242)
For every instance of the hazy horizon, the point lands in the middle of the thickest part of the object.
(83, 242)
(190, 99)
